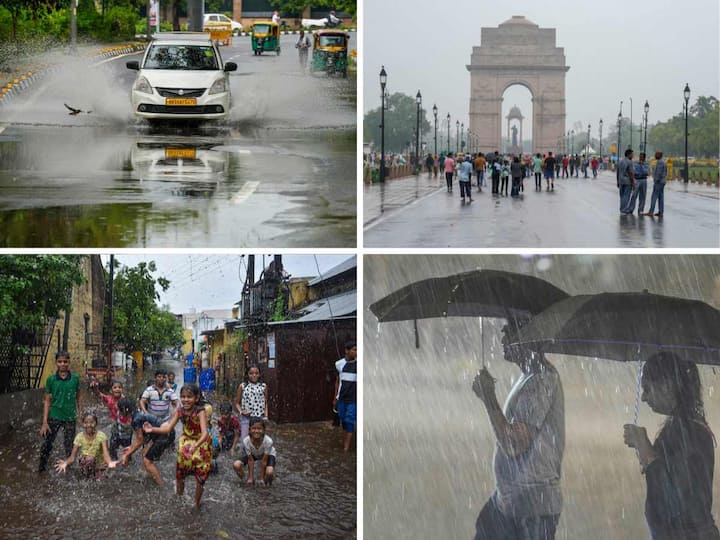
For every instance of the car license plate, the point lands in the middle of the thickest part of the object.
(180, 101)
(184, 153)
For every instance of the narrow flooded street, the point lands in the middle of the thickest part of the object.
(314, 494)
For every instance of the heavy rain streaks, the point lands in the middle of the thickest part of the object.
(438, 443)
(279, 169)
(313, 495)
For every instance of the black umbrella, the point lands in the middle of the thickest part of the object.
(478, 293)
(626, 327)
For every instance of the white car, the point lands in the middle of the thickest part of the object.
(214, 18)
(181, 76)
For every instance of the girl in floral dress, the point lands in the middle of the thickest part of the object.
(195, 447)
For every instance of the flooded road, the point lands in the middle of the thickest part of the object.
(314, 493)
(279, 171)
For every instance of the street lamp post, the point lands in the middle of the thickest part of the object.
(601, 123)
(587, 150)
(567, 142)
(462, 137)
(448, 141)
(572, 141)
(418, 100)
(619, 133)
(383, 81)
(435, 115)
(686, 95)
(646, 109)
(631, 124)
(457, 136)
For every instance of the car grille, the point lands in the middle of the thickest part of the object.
(174, 109)
(181, 92)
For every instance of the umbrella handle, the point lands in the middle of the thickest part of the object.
(637, 394)
(417, 336)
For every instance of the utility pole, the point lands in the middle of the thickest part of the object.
(73, 24)
(112, 302)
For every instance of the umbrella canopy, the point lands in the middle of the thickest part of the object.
(478, 293)
(626, 327)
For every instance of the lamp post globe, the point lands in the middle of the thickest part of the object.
(435, 111)
(686, 95)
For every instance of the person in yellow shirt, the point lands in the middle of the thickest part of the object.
(92, 445)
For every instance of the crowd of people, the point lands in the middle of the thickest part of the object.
(507, 172)
(148, 425)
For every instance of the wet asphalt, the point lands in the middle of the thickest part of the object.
(418, 212)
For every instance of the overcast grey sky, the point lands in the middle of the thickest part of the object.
(616, 50)
(205, 281)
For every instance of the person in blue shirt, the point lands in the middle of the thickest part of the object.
(641, 170)
(464, 174)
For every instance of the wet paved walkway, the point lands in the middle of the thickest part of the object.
(580, 213)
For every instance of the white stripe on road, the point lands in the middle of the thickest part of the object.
(244, 194)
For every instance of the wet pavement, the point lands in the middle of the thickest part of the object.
(279, 171)
(314, 494)
(579, 213)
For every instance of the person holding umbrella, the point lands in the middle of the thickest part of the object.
(678, 466)
(530, 441)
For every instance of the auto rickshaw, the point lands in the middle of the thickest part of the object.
(219, 32)
(265, 37)
(330, 51)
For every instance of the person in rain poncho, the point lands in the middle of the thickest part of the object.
(678, 466)
(530, 441)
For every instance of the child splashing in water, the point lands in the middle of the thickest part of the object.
(257, 447)
(111, 401)
(93, 448)
(194, 450)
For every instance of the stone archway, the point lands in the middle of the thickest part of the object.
(518, 52)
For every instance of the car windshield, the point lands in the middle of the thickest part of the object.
(261, 29)
(196, 57)
(332, 41)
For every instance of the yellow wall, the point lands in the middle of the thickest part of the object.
(82, 303)
(300, 293)
(187, 346)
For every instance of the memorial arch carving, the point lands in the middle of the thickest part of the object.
(518, 52)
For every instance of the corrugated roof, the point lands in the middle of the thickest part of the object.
(339, 269)
(340, 305)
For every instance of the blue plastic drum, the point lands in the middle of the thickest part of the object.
(207, 379)
(189, 375)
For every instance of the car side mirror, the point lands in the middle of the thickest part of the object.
(133, 64)
(229, 66)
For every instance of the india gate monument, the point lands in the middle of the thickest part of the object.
(518, 52)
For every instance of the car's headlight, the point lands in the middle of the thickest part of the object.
(218, 87)
(142, 85)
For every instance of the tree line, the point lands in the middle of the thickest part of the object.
(34, 288)
(668, 136)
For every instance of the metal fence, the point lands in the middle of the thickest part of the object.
(22, 357)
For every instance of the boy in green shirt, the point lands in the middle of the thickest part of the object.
(59, 408)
